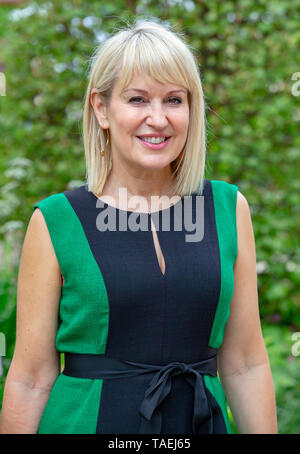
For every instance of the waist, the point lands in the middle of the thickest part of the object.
(100, 366)
(158, 388)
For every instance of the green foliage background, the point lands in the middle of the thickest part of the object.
(247, 53)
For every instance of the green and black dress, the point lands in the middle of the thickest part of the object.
(141, 346)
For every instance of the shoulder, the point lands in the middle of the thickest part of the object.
(224, 189)
(242, 206)
(55, 203)
(223, 186)
(43, 218)
(49, 202)
(37, 240)
(245, 232)
(49, 212)
(224, 195)
(243, 212)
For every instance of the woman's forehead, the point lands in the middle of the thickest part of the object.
(145, 82)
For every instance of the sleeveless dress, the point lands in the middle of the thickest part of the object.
(116, 304)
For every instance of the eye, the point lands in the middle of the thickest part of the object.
(134, 99)
(137, 98)
(176, 99)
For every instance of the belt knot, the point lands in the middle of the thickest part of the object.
(183, 367)
(159, 386)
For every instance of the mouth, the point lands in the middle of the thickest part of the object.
(157, 144)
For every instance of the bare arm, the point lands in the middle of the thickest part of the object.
(243, 361)
(36, 363)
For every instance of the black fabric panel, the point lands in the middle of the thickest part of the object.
(154, 318)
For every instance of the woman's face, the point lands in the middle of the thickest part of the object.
(146, 109)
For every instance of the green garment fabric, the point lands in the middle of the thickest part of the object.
(84, 308)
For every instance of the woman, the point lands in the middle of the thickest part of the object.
(146, 317)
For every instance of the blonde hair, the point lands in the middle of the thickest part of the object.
(152, 49)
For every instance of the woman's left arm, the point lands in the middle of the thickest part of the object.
(243, 362)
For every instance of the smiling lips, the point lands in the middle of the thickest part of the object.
(154, 142)
(153, 139)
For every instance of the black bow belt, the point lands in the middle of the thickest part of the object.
(102, 367)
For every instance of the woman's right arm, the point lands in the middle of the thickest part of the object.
(36, 363)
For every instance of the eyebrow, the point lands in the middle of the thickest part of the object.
(145, 91)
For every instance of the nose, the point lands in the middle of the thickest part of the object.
(157, 116)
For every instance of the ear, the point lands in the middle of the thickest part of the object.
(100, 108)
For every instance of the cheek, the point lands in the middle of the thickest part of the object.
(182, 126)
(181, 120)
(127, 122)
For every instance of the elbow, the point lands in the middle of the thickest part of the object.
(33, 378)
(240, 362)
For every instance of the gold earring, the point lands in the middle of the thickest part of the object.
(107, 142)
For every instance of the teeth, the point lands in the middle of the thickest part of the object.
(153, 139)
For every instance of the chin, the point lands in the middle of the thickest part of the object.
(156, 163)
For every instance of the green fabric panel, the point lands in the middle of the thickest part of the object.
(84, 307)
(76, 401)
(225, 196)
(214, 386)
